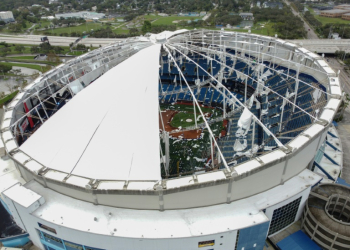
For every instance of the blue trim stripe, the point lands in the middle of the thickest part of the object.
(332, 146)
(329, 158)
(324, 171)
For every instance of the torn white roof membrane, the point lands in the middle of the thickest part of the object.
(245, 119)
(109, 130)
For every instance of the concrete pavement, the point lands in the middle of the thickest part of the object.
(324, 45)
(344, 125)
(344, 133)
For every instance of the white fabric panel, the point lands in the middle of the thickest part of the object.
(110, 129)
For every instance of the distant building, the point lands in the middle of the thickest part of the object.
(272, 5)
(48, 17)
(94, 8)
(163, 14)
(258, 4)
(246, 16)
(335, 36)
(81, 14)
(189, 14)
(342, 7)
(53, 1)
(6, 16)
(334, 13)
(346, 16)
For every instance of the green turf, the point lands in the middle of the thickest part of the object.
(25, 65)
(184, 107)
(179, 120)
(187, 112)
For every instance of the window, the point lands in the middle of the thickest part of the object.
(52, 240)
(52, 230)
(72, 246)
(206, 243)
(91, 248)
(284, 216)
(237, 238)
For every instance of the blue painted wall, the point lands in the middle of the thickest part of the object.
(16, 241)
(253, 235)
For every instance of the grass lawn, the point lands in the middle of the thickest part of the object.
(120, 31)
(324, 20)
(27, 50)
(25, 65)
(22, 57)
(8, 98)
(81, 28)
(169, 19)
(76, 53)
(84, 27)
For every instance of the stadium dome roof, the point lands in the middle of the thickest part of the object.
(174, 110)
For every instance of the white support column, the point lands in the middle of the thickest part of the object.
(274, 56)
(253, 133)
(39, 115)
(211, 151)
(281, 119)
(196, 102)
(296, 87)
(241, 104)
(164, 163)
(245, 90)
(167, 151)
(42, 105)
(194, 110)
(290, 56)
(224, 102)
(258, 84)
(52, 93)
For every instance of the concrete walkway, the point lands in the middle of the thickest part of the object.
(344, 126)
(344, 133)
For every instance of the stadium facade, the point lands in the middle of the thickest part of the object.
(99, 162)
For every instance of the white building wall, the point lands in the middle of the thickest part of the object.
(6, 16)
(223, 241)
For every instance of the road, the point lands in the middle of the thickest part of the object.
(56, 40)
(324, 45)
(343, 76)
(310, 32)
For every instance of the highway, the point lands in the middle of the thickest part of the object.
(324, 45)
(56, 40)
